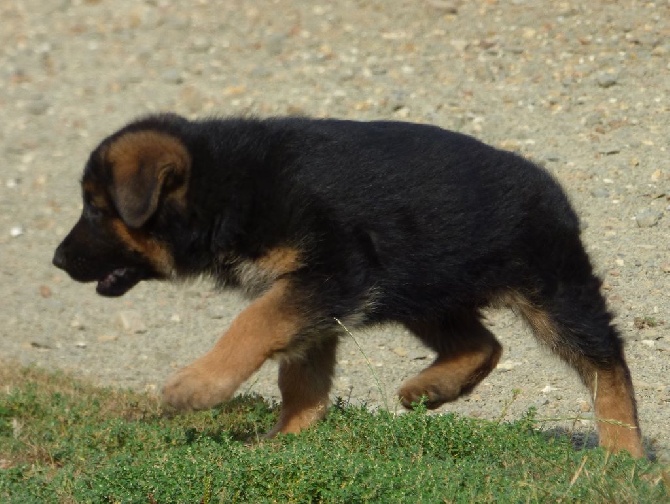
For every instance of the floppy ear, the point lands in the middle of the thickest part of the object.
(145, 167)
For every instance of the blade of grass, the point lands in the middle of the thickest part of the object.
(382, 391)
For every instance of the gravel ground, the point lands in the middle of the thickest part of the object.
(581, 87)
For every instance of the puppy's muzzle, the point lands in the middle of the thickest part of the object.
(59, 258)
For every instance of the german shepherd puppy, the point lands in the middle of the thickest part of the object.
(328, 221)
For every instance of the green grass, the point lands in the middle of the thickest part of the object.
(65, 441)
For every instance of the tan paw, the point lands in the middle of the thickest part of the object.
(292, 422)
(193, 388)
(434, 395)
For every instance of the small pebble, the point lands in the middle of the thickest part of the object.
(261, 72)
(216, 312)
(201, 44)
(172, 76)
(37, 107)
(77, 324)
(609, 150)
(400, 351)
(459, 45)
(584, 406)
(448, 6)
(131, 322)
(607, 79)
(507, 365)
(16, 231)
(418, 355)
(41, 345)
(275, 44)
(647, 218)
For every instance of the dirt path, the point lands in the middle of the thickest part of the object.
(583, 88)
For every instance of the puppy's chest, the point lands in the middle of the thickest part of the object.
(253, 276)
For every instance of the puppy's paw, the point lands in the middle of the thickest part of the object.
(433, 395)
(195, 388)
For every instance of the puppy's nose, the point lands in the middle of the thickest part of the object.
(59, 258)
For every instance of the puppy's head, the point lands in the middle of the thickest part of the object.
(134, 182)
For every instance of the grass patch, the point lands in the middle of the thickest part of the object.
(64, 441)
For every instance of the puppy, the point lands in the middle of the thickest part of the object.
(322, 221)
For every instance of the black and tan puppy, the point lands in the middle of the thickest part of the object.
(365, 223)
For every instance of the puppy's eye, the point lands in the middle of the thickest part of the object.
(94, 210)
(91, 208)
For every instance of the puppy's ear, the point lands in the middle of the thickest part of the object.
(145, 167)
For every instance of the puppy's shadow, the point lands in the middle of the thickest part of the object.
(588, 440)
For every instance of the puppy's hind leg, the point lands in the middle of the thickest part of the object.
(467, 353)
(575, 324)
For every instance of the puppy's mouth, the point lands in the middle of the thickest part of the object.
(120, 281)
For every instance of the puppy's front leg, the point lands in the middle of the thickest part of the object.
(266, 326)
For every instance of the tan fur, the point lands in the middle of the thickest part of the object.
(304, 384)
(454, 372)
(159, 256)
(614, 402)
(256, 276)
(97, 195)
(141, 163)
(279, 261)
(265, 327)
(132, 150)
(537, 319)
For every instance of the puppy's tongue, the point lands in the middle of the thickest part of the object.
(112, 278)
(118, 282)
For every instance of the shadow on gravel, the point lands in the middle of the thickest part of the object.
(589, 440)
